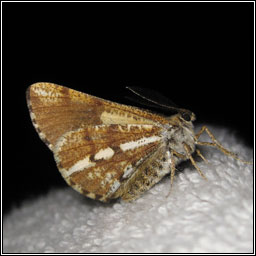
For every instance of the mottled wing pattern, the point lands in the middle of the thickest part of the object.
(148, 173)
(56, 109)
(98, 160)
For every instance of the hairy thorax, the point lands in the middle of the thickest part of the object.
(177, 136)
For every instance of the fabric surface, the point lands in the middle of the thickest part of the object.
(214, 216)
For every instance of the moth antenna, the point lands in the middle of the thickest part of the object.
(155, 102)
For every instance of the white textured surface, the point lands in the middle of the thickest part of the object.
(199, 216)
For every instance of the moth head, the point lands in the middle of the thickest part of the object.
(187, 115)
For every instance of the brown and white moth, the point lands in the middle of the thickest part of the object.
(106, 150)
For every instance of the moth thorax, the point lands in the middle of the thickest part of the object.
(177, 136)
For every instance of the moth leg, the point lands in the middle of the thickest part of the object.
(200, 154)
(173, 167)
(179, 155)
(187, 149)
(216, 144)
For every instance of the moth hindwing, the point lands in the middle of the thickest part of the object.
(106, 150)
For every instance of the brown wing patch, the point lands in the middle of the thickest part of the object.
(57, 109)
(91, 159)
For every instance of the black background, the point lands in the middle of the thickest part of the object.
(200, 55)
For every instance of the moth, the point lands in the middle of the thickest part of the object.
(106, 150)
